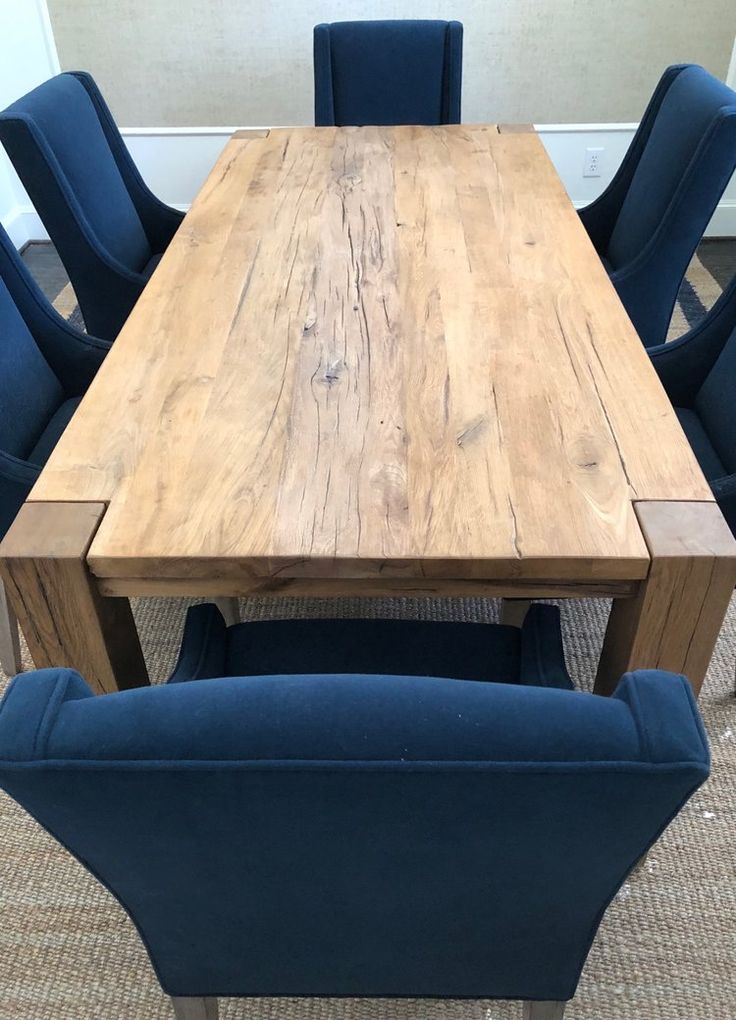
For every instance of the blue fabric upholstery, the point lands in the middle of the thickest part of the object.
(105, 223)
(31, 392)
(356, 835)
(53, 430)
(469, 651)
(45, 368)
(648, 222)
(387, 72)
(698, 372)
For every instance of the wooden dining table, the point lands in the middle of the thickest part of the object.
(380, 361)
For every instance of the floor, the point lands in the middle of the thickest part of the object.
(46, 267)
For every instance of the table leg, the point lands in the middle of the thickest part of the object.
(674, 620)
(65, 620)
(9, 638)
(513, 611)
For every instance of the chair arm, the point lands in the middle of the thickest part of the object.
(17, 478)
(684, 364)
(28, 712)
(599, 218)
(73, 356)
(542, 653)
(324, 103)
(203, 645)
(724, 489)
(160, 221)
(666, 715)
(451, 103)
(12, 129)
(648, 284)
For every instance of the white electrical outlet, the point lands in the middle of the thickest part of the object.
(592, 162)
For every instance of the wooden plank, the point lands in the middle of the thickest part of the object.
(205, 1009)
(251, 133)
(10, 660)
(674, 621)
(64, 619)
(376, 352)
(384, 587)
(91, 459)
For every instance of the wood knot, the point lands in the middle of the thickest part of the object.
(332, 373)
(310, 318)
(349, 181)
(473, 431)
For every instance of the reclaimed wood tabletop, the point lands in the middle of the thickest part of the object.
(387, 361)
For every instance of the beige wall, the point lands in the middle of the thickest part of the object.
(234, 62)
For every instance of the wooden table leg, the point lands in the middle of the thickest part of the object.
(673, 622)
(66, 622)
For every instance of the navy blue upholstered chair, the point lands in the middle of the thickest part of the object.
(647, 224)
(355, 834)
(698, 372)
(387, 72)
(108, 228)
(45, 368)
(532, 653)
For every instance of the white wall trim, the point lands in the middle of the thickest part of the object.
(176, 160)
(731, 73)
(551, 129)
(190, 132)
(23, 224)
(48, 36)
(225, 132)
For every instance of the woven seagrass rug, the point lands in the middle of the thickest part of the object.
(666, 949)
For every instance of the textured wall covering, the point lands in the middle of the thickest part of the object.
(217, 62)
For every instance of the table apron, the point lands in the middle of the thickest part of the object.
(305, 587)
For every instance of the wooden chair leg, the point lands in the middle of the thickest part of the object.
(544, 1010)
(513, 611)
(9, 639)
(194, 1009)
(230, 610)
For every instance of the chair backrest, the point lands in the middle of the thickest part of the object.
(387, 72)
(681, 140)
(716, 404)
(29, 391)
(356, 835)
(56, 142)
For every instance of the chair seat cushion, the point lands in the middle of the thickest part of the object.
(703, 448)
(469, 651)
(462, 651)
(51, 434)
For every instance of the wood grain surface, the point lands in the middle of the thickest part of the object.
(674, 621)
(376, 353)
(65, 619)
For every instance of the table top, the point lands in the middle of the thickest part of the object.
(376, 353)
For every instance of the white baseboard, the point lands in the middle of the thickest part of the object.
(175, 162)
(23, 224)
(723, 223)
